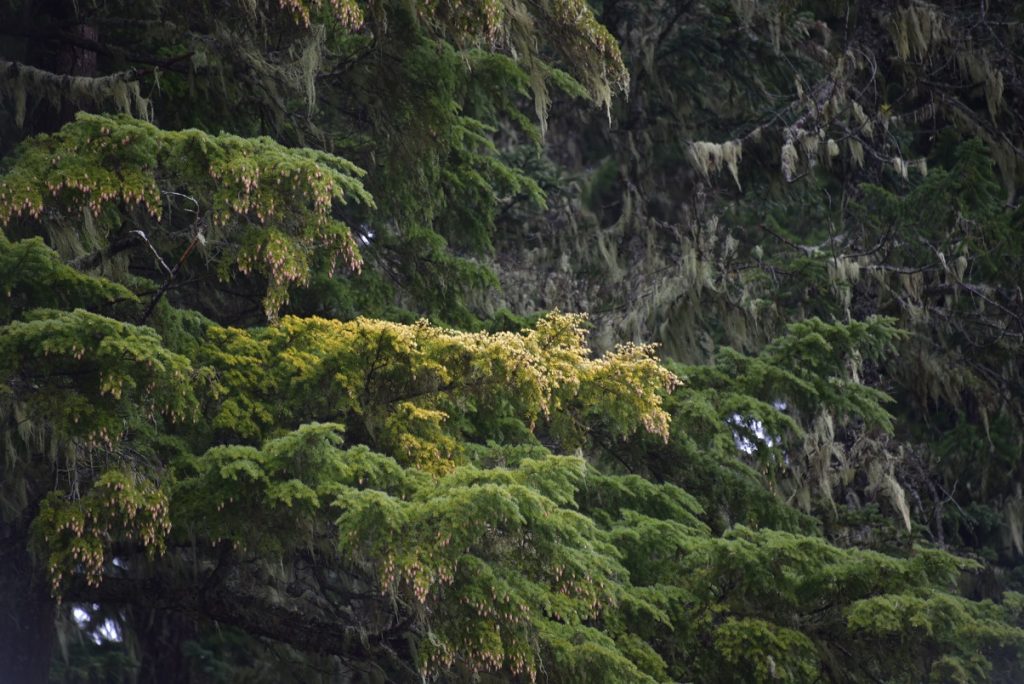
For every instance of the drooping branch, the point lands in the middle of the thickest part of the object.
(92, 260)
(257, 616)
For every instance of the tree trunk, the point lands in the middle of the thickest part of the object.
(27, 612)
(160, 635)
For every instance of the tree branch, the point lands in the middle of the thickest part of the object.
(105, 49)
(254, 614)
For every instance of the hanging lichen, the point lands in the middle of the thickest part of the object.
(710, 158)
(116, 93)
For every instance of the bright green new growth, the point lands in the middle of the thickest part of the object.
(416, 390)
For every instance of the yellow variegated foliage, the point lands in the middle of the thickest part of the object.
(415, 391)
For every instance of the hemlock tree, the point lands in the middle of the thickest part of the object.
(260, 418)
(777, 162)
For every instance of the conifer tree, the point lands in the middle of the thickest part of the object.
(777, 162)
(277, 401)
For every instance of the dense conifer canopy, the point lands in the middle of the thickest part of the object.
(550, 340)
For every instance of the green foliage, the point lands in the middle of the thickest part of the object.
(489, 594)
(569, 571)
(416, 391)
(76, 536)
(977, 640)
(80, 374)
(754, 648)
(256, 206)
(34, 276)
